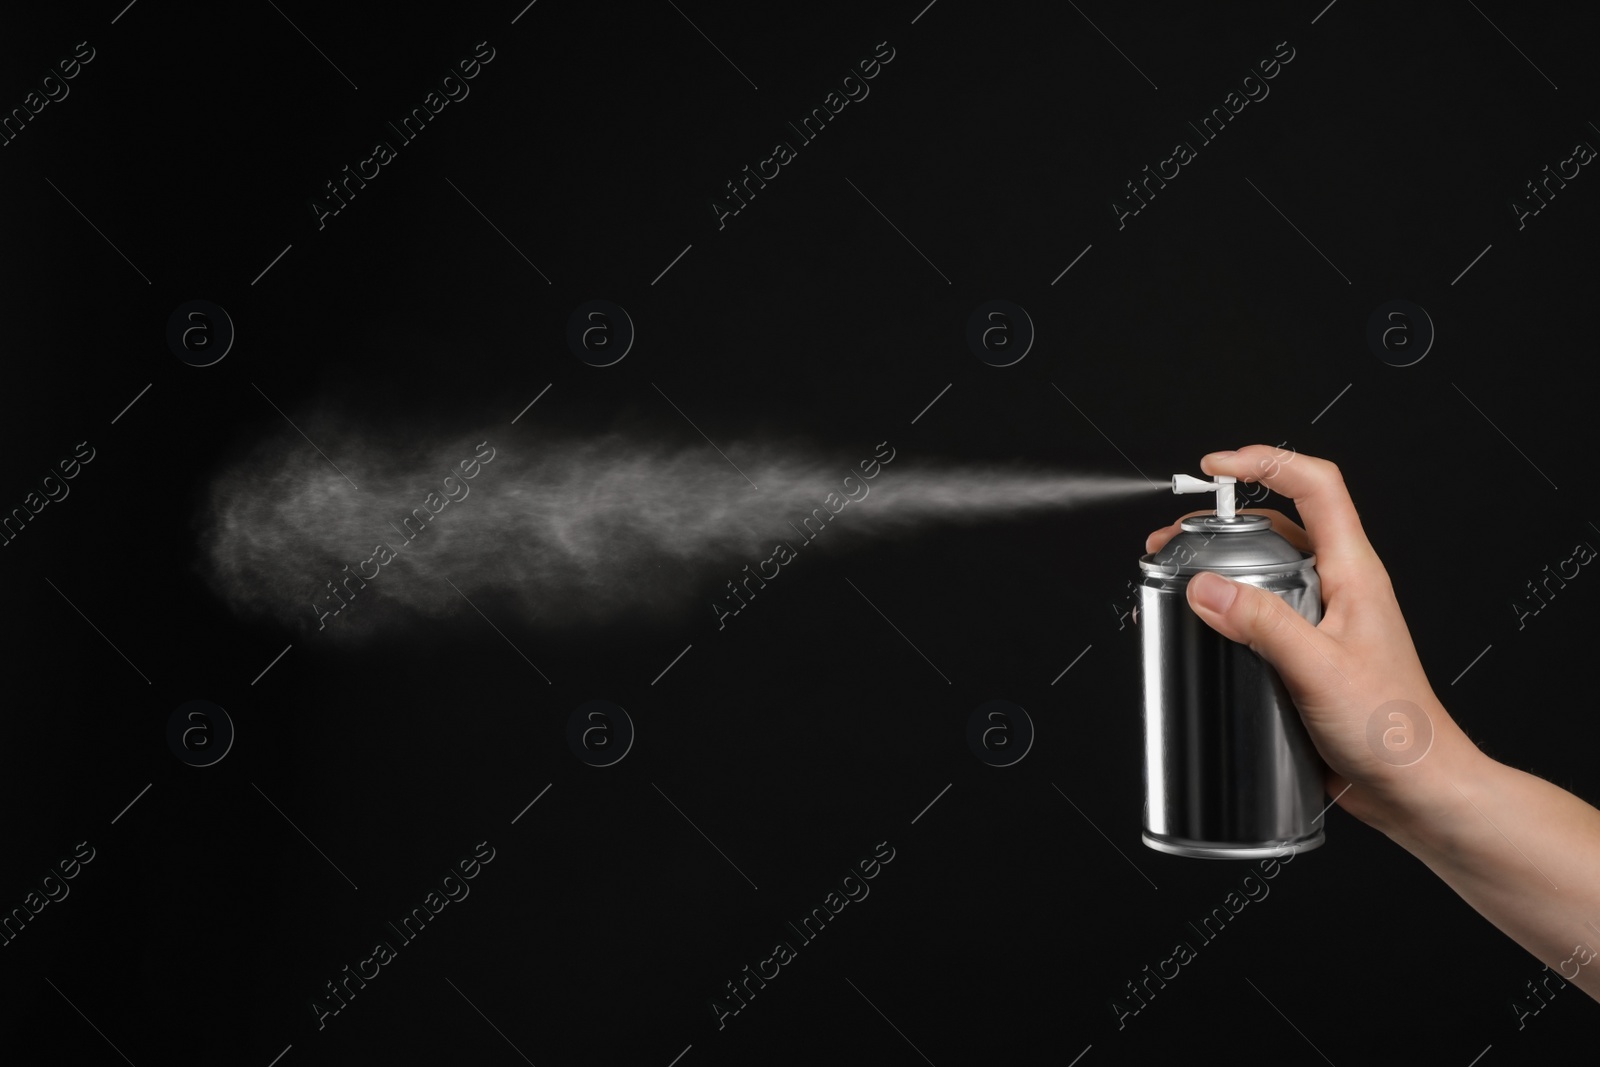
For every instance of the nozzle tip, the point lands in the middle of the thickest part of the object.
(1185, 483)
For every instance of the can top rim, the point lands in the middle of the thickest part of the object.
(1217, 524)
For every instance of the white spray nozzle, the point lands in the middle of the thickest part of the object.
(1222, 485)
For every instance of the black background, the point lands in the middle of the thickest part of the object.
(809, 730)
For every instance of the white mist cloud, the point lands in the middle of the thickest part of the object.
(563, 532)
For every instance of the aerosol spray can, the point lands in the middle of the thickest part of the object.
(1230, 771)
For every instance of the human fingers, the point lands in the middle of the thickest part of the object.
(1345, 558)
(1272, 629)
(1286, 527)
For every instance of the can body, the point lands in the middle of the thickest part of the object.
(1230, 770)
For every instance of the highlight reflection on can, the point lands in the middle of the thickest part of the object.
(1230, 771)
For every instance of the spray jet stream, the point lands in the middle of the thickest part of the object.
(562, 531)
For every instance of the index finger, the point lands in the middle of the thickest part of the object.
(1344, 555)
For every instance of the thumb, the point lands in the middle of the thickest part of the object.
(1264, 621)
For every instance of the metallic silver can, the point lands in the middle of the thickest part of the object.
(1230, 771)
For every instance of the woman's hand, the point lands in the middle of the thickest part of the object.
(1523, 852)
(1355, 676)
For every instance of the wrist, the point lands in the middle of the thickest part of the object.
(1420, 806)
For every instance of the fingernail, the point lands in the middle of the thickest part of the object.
(1220, 455)
(1213, 592)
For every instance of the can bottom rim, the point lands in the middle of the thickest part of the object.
(1215, 851)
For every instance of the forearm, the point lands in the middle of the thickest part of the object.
(1523, 852)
